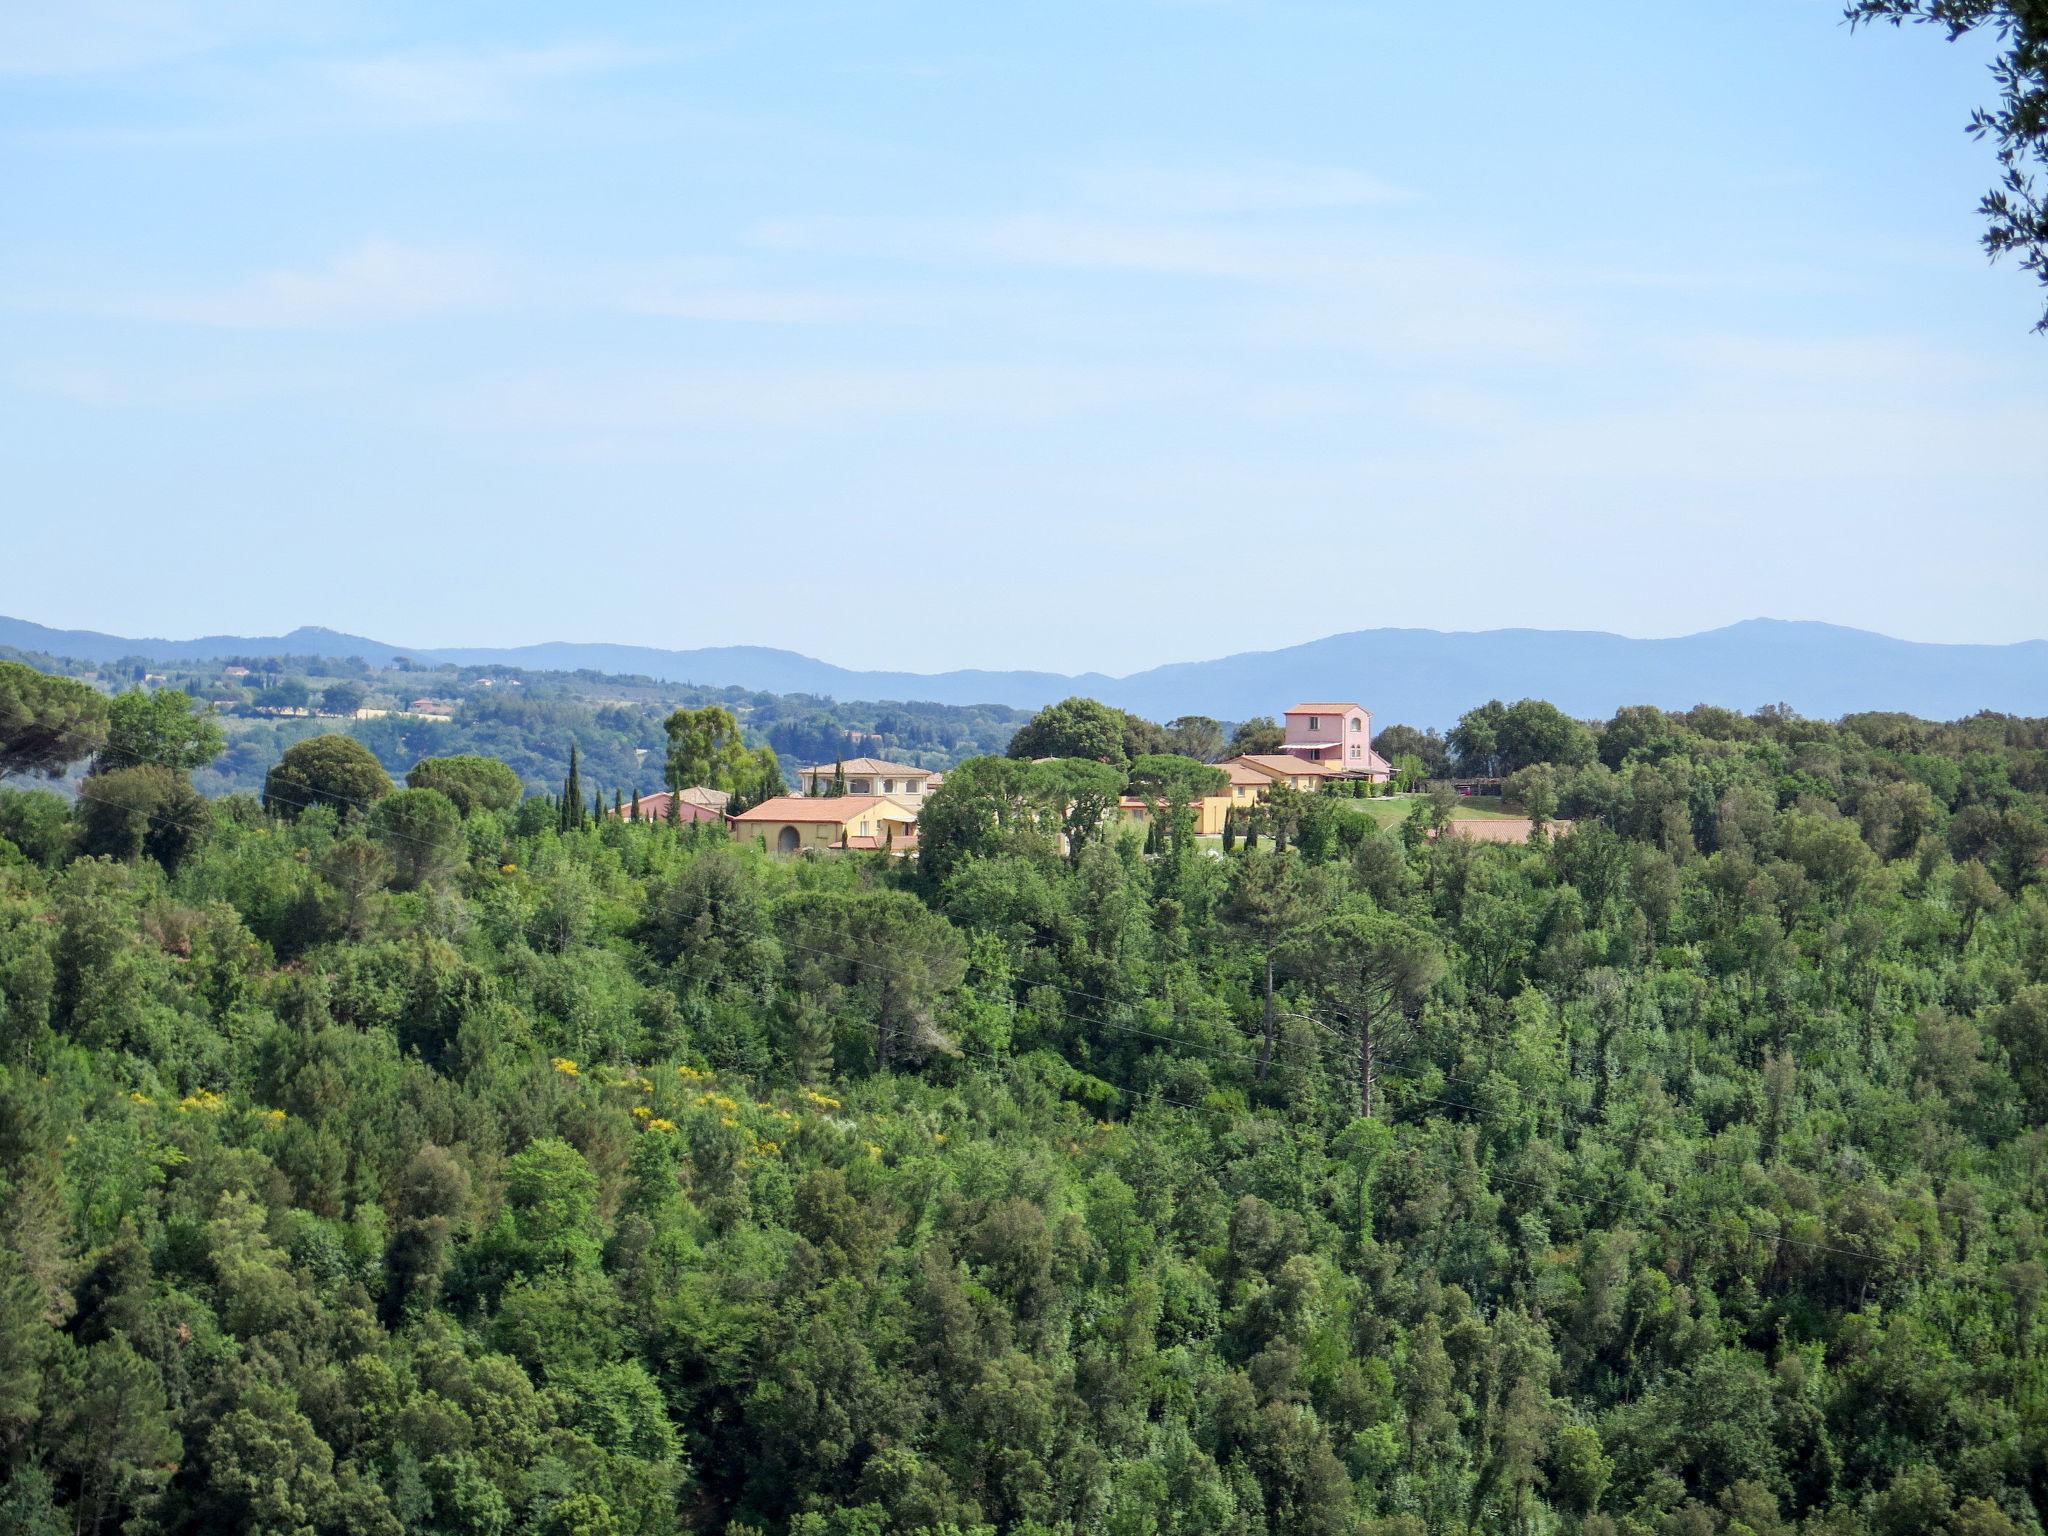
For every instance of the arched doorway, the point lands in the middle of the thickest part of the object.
(786, 840)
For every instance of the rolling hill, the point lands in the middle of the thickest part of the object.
(1422, 676)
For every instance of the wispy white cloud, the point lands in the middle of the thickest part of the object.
(646, 401)
(77, 37)
(428, 88)
(155, 387)
(1352, 287)
(771, 306)
(1236, 188)
(378, 282)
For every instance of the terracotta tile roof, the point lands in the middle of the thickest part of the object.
(836, 809)
(902, 844)
(868, 766)
(1321, 709)
(1280, 765)
(654, 807)
(710, 799)
(1243, 773)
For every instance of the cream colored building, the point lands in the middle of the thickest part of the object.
(869, 776)
(793, 823)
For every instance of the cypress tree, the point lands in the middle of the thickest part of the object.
(1230, 829)
(1152, 835)
(636, 802)
(1251, 829)
(675, 808)
(838, 777)
(572, 793)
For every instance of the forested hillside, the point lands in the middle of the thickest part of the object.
(379, 1160)
(265, 702)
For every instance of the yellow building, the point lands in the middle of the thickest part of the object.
(792, 823)
(868, 776)
(1248, 785)
(1275, 768)
(1209, 812)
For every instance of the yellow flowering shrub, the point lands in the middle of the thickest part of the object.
(566, 1067)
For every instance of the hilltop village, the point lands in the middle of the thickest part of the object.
(869, 803)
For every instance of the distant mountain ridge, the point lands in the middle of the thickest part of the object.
(1421, 676)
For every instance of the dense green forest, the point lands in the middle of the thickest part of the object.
(394, 1160)
(524, 718)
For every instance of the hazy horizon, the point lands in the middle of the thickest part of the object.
(1081, 340)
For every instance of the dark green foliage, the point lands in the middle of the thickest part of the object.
(572, 795)
(332, 771)
(1076, 727)
(420, 831)
(1428, 748)
(1089, 730)
(163, 729)
(1497, 739)
(127, 812)
(392, 1171)
(472, 783)
(46, 723)
(1260, 735)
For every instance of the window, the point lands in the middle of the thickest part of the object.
(1357, 724)
(1315, 722)
(1354, 749)
(888, 786)
(858, 786)
(863, 828)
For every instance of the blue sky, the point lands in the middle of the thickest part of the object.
(1068, 335)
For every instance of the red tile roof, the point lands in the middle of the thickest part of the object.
(836, 809)
(1323, 709)
(654, 807)
(1280, 765)
(867, 767)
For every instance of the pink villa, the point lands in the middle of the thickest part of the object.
(1337, 734)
